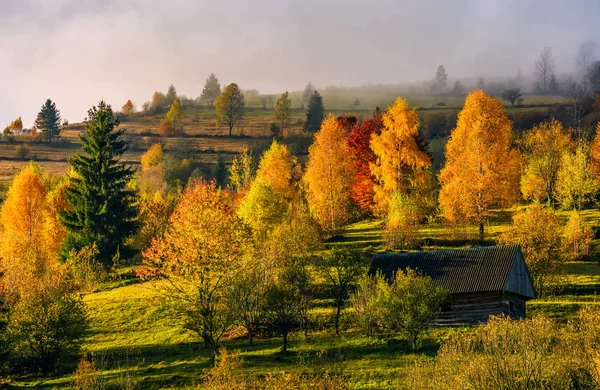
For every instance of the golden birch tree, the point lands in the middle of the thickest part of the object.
(402, 163)
(330, 175)
(482, 169)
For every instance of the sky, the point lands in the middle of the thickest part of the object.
(77, 52)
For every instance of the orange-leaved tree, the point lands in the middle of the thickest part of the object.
(202, 250)
(279, 168)
(329, 175)
(402, 162)
(482, 169)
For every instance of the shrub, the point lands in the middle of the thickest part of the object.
(166, 128)
(516, 354)
(402, 222)
(23, 151)
(576, 238)
(86, 376)
(48, 322)
(366, 304)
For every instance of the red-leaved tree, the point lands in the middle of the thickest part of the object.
(359, 140)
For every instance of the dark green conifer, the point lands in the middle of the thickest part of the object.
(48, 121)
(103, 207)
(219, 172)
(315, 113)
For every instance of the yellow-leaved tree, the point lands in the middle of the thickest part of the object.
(482, 169)
(544, 147)
(280, 169)
(595, 153)
(402, 162)
(576, 184)
(330, 175)
(22, 254)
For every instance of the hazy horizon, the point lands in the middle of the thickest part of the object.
(77, 52)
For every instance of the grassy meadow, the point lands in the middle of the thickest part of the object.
(134, 338)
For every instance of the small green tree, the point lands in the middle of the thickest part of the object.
(48, 322)
(341, 269)
(102, 207)
(410, 304)
(242, 170)
(212, 90)
(48, 121)
(576, 185)
(366, 303)
(247, 296)
(230, 106)
(283, 111)
(219, 171)
(175, 117)
(286, 302)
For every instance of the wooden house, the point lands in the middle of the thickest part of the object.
(480, 282)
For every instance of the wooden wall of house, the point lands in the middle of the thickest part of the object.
(518, 279)
(473, 309)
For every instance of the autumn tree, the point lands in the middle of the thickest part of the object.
(230, 106)
(295, 239)
(283, 111)
(153, 157)
(261, 209)
(102, 207)
(329, 176)
(16, 126)
(482, 169)
(279, 168)
(402, 162)
(212, 90)
(242, 170)
(23, 215)
(201, 252)
(576, 183)
(128, 108)
(576, 238)
(537, 231)
(48, 121)
(544, 147)
(402, 222)
(315, 113)
(359, 141)
(174, 117)
(595, 153)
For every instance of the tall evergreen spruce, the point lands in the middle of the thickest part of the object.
(315, 113)
(48, 121)
(103, 210)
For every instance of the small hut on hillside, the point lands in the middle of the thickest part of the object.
(480, 282)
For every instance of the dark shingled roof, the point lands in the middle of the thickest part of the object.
(471, 270)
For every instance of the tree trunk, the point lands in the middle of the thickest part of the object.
(250, 337)
(414, 343)
(337, 319)
(285, 342)
(481, 231)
